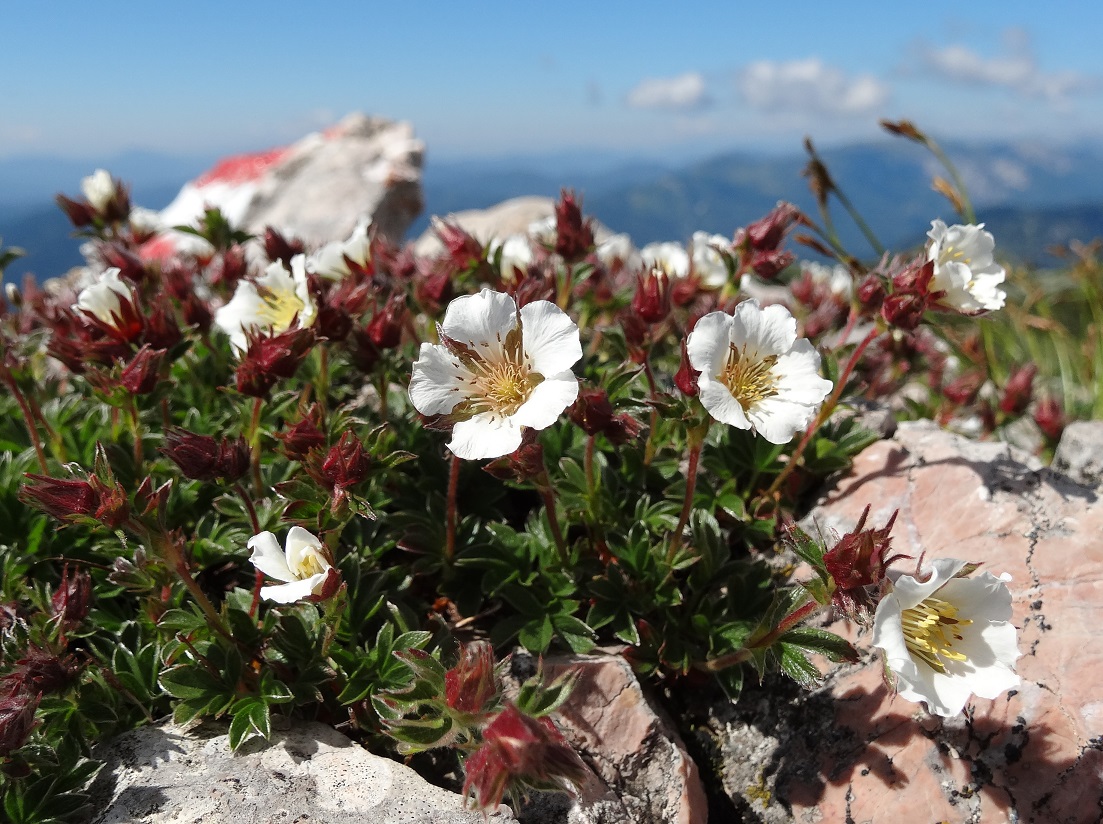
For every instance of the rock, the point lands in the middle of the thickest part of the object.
(1079, 454)
(630, 744)
(850, 751)
(316, 189)
(309, 772)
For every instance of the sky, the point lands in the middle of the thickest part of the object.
(491, 79)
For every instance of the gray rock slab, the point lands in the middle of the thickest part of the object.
(1079, 455)
(167, 774)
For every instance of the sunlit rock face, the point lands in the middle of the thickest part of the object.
(317, 189)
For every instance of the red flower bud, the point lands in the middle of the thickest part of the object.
(651, 303)
(470, 685)
(278, 247)
(574, 237)
(1050, 417)
(162, 331)
(16, 720)
(765, 235)
(42, 672)
(464, 250)
(271, 357)
(385, 328)
(343, 467)
(767, 264)
(303, 436)
(523, 465)
(593, 413)
(522, 750)
(64, 500)
(963, 390)
(871, 293)
(1018, 391)
(202, 458)
(686, 376)
(80, 213)
(227, 267)
(140, 376)
(72, 598)
(859, 561)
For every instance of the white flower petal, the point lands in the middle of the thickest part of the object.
(798, 375)
(720, 403)
(439, 381)
(709, 343)
(547, 401)
(909, 591)
(769, 331)
(480, 321)
(295, 590)
(549, 337)
(484, 436)
(777, 420)
(269, 557)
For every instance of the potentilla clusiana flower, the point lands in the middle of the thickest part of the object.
(964, 268)
(671, 257)
(303, 564)
(103, 299)
(708, 263)
(333, 260)
(99, 189)
(271, 303)
(754, 371)
(496, 370)
(946, 637)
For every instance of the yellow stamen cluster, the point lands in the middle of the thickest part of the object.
(750, 381)
(310, 563)
(501, 385)
(280, 307)
(930, 629)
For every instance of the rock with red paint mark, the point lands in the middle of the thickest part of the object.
(317, 189)
(850, 751)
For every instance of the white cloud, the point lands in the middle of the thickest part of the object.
(1016, 69)
(685, 92)
(809, 86)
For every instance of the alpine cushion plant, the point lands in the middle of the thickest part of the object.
(497, 370)
(271, 523)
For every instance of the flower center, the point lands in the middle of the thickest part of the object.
(951, 254)
(930, 630)
(750, 381)
(310, 563)
(279, 307)
(503, 385)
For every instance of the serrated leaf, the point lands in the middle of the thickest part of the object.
(822, 642)
(796, 665)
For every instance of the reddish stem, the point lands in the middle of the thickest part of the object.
(450, 512)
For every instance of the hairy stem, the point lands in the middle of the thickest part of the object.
(450, 512)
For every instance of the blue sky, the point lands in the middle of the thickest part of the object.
(493, 78)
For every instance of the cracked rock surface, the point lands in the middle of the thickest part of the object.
(307, 773)
(851, 752)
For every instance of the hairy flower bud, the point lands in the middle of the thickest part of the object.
(140, 376)
(768, 264)
(1019, 389)
(203, 458)
(43, 672)
(385, 328)
(470, 685)
(859, 561)
(1050, 417)
(270, 357)
(686, 376)
(651, 302)
(766, 235)
(63, 500)
(574, 237)
(16, 720)
(303, 436)
(278, 247)
(593, 413)
(71, 600)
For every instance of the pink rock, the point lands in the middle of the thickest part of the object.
(1033, 755)
(316, 189)
(631, 744)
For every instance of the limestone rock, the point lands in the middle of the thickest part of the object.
(1079, 455)
(316, 189)
(630, 744)
(307, 773)
(852, 752)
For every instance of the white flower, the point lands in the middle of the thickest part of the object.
(269, 304)
(618, 250)
(755, 373)
(964, 268)
(303, 565)
(837, 278)
(330, 261)
(99, 189)
(671, 257)
(708, 264)
(516, 255)
(946, 637)
(497, 369)
(544, 231)
(104, 298)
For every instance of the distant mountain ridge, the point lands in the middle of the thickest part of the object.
(1030, 196)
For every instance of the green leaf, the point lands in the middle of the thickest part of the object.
(822, 642)
(189, 681)
(796, 665)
